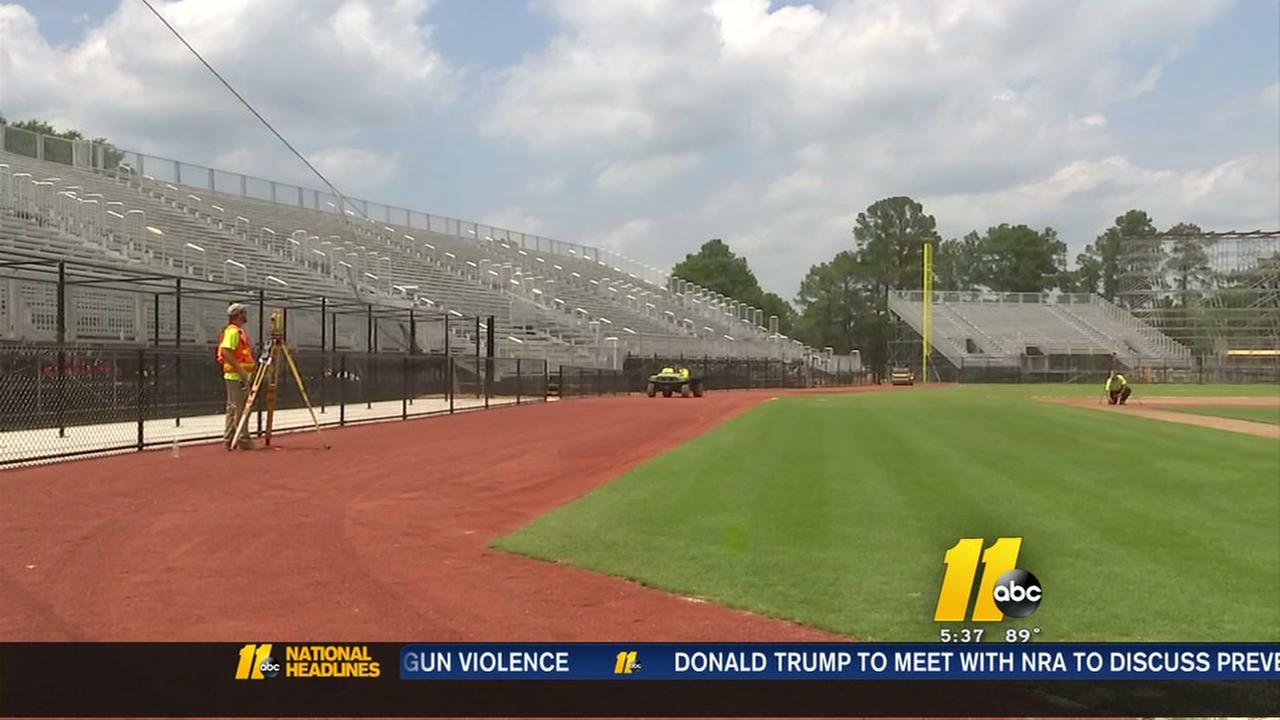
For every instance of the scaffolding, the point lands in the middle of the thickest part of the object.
(1215, 292)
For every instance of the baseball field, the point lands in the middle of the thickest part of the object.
(760, 515)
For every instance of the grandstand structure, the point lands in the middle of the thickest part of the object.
(1008, 335)
(357, 275)
(1203, 306)
(1217, 292)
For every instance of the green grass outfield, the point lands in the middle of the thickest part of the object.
(1253, 414)
(1140, 390)
(836, 511)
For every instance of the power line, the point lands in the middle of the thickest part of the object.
(342, 204)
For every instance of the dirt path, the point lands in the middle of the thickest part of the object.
(382, 538)
(1149, 408)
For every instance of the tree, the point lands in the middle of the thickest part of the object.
(1087, 277)
(954, 263)
(1136, 249)
(1188, 262)
(43, 128)
(837, 307)
(889, 238)
(59, 152)
(773, 304)
(1103, 255)
(717, 268)
(1018, 259)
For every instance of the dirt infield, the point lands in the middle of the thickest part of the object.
(1148, 407)
(382, 538)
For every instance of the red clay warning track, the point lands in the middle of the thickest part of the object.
(382, 538)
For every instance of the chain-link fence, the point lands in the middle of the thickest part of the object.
(63, 401)
(1094, 368)
(582, 381)
(742, 373)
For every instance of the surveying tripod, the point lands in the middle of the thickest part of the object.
(268, 372)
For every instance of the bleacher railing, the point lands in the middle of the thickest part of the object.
(703, 305)
(97, 156)
(1159, 342)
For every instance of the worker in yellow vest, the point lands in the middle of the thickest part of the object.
(235, 358)
(1117, 388)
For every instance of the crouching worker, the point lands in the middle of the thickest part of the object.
(1117, 388)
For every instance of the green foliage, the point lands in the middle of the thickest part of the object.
(1087, 277)
(1188, 262)
(889, 237)
(955, 263)
(773, 304)
(837, 304)
(844, 302)
(1136, 251)
(1018, 259)
(54, 152)
(1008, 258)
(716, 267)
(43, 128)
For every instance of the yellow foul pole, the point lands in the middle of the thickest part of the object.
(928, 312)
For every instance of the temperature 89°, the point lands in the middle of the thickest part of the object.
(1020, 635)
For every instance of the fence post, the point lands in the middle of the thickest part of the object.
(449, 378)
(413, 333)
(155, 320)
(478, 387)
(342, 390)
(517, 381)
(62, 345)
(324, 312)
(142, 408)
(488, 361)
(262, 315)
(177, 357)
(560, 381)
(404, 396)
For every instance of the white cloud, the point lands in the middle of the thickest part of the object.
(359, 170)
(322, 71)
(515, 219)
(1269, 98)
(627, 238)
(795, 186)
(805, 114)
(1240, 194)
(645, 174)
(793, 118)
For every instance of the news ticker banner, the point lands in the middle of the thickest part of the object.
(290, 679)
(669, 661)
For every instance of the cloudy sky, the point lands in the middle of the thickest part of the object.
(648, 126)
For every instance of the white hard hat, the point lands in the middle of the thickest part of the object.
(236, 309)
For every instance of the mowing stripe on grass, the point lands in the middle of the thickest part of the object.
(836, 511)
(1270, 415)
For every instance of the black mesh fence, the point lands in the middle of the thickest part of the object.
(740, 373)
(63, 401)
(580, 381)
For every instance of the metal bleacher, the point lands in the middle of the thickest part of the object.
(1001, 328)
(569, 304)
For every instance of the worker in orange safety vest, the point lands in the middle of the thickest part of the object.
(235, 358)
